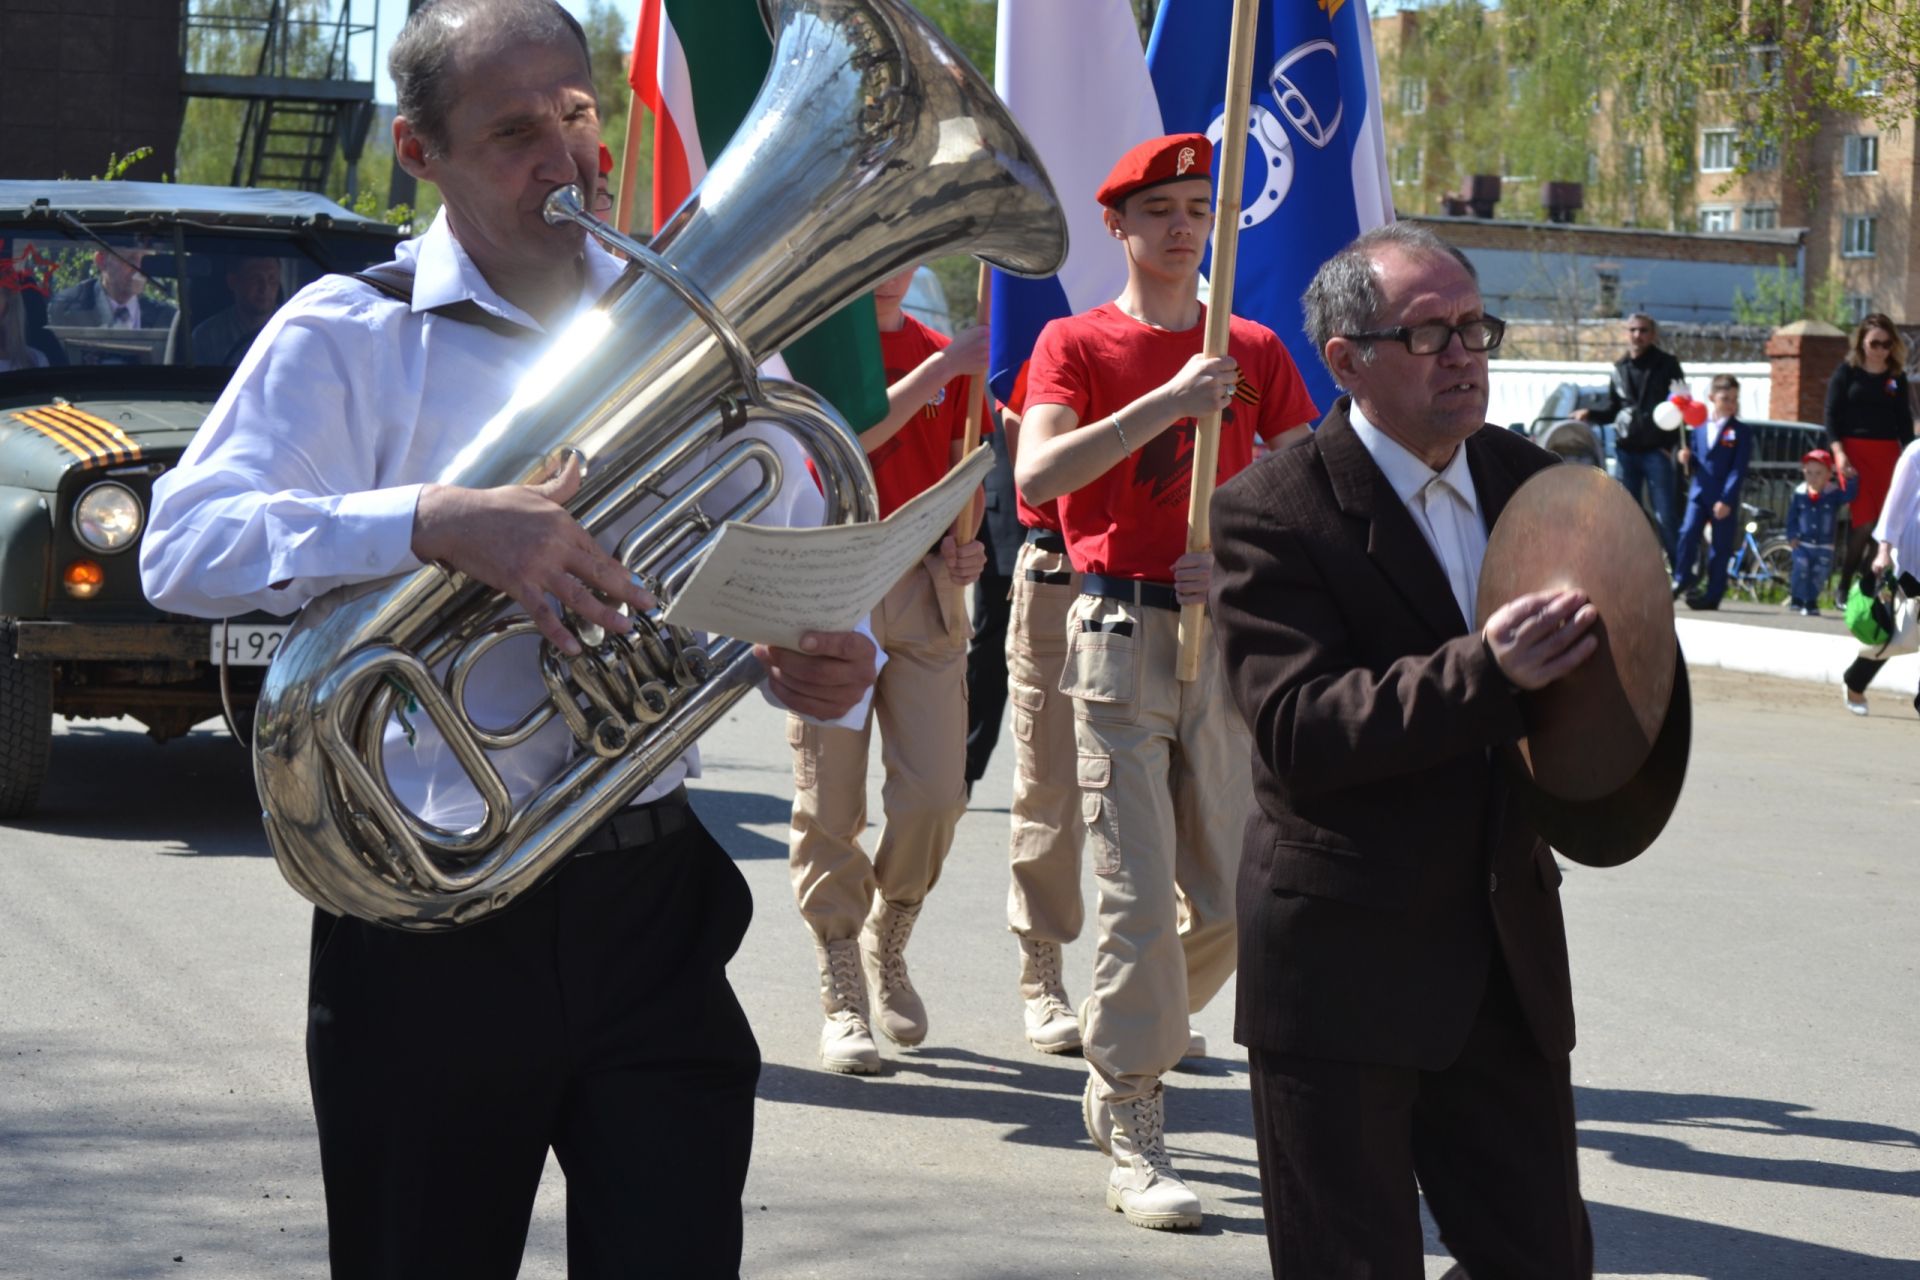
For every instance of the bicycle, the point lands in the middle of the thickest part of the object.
(1763, 562)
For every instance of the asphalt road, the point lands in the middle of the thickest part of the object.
(1746, 1082)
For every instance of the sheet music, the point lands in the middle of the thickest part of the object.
(769, 585)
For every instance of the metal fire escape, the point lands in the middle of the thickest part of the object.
(306, 79)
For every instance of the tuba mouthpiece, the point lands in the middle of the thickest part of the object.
(563, 204)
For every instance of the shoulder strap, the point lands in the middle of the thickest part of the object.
(396, 281)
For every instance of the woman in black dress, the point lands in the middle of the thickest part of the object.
(1869, 421)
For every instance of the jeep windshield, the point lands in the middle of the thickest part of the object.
(125, 305)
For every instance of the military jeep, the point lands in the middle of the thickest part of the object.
(124, 309)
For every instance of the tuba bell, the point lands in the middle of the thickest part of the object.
(872, 146)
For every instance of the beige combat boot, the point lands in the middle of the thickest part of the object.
(899, 1010)
(1051, 1025)
(1143, 1185)
(846, 1045)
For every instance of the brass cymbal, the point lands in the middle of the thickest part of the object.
(1590, 732)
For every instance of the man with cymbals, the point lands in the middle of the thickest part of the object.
(862, 911)
(1112, 400)
(1403, 992)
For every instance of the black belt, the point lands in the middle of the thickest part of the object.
(640, 824)
(1053, 577)
(1155, 595)
(1048, 540)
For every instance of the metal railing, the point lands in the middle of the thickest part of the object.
(281, 39)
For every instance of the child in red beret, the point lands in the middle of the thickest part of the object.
(1112, 400)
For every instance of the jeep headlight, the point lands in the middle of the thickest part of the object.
(108, 517)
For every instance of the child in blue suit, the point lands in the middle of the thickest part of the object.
(1721, 447)
(1810, 518)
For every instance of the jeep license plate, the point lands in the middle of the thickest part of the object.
(248, 644)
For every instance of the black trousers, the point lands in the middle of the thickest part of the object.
(1489, 1140)
(594, 1017)
(987, 667)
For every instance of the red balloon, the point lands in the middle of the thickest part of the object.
(1693, 413)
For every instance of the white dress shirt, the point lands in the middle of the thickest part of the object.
(307, 471)
(1443, 505)
(1899, 523)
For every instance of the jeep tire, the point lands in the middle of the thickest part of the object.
(26, 728)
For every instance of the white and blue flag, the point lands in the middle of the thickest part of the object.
(1073, 74)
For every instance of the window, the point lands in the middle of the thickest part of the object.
(1716, 218)
(1413, 96)
(1861, 83)
(1716, 151)
(1860, 306)
(1760, 217)
(1862, 155)
(1515, 84)
(1636, 166)
(1765, 153)
(1593, 169)
(1763, 67)
(1857, 233)
(1720, 74)
(1406, 163)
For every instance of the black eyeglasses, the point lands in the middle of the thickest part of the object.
(1433, 337)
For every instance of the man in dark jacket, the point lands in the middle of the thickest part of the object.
(1642, 378)
(1403, 987)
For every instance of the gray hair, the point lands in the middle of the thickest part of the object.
(1345, 296)
(422, 59)
(1652, 325)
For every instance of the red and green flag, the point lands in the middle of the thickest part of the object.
(698, 65)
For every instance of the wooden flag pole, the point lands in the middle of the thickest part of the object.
(629, 161)
(967, 523)
(1226, 242)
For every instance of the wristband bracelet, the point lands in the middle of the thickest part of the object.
(1124, 446)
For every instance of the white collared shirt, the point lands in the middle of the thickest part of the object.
(310, 464)
(1899, 523)
(1443, 504)
(133, 311)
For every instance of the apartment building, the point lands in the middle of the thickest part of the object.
(1849, 189)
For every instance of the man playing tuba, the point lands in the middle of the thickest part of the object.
(594, 1017)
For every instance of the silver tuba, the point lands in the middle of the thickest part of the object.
(872, 146)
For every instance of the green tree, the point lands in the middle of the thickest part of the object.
(1780, 297)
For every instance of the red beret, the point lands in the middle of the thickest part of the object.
(1173, 158)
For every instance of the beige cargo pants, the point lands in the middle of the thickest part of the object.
(920, 705)
(1044, 900)
(1165, 785)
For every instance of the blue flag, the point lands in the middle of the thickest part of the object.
(1316, 155)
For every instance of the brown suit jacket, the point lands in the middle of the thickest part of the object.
(1382, 863)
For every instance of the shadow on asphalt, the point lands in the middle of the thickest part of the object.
(1693, 1111)
(112, 782)
(1635, 1242)
(727, 814)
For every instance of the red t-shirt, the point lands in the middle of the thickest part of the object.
(917, 456)
(1132, 521)
(1047, 514)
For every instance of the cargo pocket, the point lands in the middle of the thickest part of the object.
(1029, 729)
(1099, 813)
(1037, 624)
(803, 746)
(1101, 671)
(950, 599)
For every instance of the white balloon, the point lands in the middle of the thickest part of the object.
(1666, 416)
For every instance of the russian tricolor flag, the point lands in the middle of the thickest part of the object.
(1073, 73)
